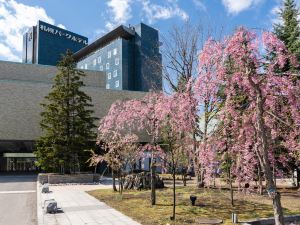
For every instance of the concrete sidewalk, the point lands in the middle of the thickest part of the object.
(79, 208)
(18, 199)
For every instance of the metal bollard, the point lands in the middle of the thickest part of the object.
(234, 218)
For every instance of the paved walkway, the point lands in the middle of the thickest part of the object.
(79, 208)
(17, 200)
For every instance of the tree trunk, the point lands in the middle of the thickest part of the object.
(153, 173)
(264, 159)
(113, 180)
(230, 187)
(95, 170)
(195, 161)
(197, 173)
(201, 182)
(153, 191)
(206, 116)
(153, 181)
(274, 175)
(260, 185)
(174, 195)
(120, 183)
(184, 179)
(298, 178)
(214, 180)
(278, 213)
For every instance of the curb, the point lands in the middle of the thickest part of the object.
(40, 214)
(270, 221)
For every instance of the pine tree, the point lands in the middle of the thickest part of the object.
(289, 30)
(289, 33)
(67, 122)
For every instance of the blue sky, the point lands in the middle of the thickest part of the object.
(92, 18)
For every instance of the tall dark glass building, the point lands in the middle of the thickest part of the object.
(129, 56)
(44, 44)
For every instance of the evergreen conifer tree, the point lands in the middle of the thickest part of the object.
(67, 123)
(289, 30)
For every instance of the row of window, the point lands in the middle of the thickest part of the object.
(117, 84)
(117, 62)
(99, 58)
(115, 74)
(115, 52)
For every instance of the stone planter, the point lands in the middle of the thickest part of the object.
(53, 178)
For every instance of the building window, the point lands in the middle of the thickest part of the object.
(117, 83)
(107, 66)
(117, 61)
(99, 59)
(81, 67)
(109, 76)
(108, 54)
(107, 86)
(115, 73)
(115, 51)
(85, 66)
(101, 68)
(94, 62)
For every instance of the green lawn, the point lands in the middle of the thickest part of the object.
(211, 203)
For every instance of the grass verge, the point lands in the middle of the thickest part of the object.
(211, 204)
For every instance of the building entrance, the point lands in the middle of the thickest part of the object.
(20, 162)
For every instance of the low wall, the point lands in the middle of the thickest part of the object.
(270, 221)
(68, 178)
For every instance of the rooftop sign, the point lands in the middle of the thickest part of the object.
(62, 33)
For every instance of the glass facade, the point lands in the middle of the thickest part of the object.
(29, 46)
(17, 156)
(44, 44)
(131, 63)
(20, 163)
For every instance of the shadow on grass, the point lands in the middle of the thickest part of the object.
(211, 204)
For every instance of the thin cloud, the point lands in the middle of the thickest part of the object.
(154, 12)
(9, 55)
(237, 6)
(200, 5)
(120, 11)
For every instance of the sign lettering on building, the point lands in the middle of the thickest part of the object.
(62, 34)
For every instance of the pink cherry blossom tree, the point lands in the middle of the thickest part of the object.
(207, 89)
(152, 114)
(177, 127)
(120, 146)
(268, 111)
(145, 115)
